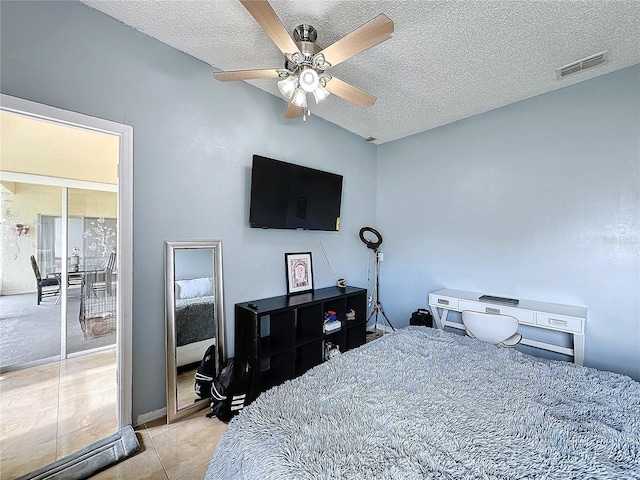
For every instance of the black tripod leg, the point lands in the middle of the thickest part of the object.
(373, 310)
(375, 325)
(385, 317)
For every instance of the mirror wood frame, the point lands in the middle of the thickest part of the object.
(174, 411)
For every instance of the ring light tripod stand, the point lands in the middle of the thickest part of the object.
(373, 245)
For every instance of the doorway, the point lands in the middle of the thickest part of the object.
(57, 319)
(71, 187)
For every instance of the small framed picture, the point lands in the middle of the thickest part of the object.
(299, 272)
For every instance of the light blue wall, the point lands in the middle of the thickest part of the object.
(537, 200)
(193, 263)
(193, 142)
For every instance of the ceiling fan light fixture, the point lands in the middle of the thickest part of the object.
(320, 94)
(319, 62)
(299, 98)
(288, 86)
(309, 79)
(305, 61)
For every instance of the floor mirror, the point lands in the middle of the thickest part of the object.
(194, 311)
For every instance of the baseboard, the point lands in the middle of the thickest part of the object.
(18, 292)
(150, 416)
(113, 346)
(34, 363)
(384, 328)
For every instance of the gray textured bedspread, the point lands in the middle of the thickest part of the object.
(423, 404)
(194, 320)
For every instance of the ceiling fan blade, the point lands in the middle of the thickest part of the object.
(271, 24)
(350, 93)
(362, 38)
(246, 75)
(292, 111)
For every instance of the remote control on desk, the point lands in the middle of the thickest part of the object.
(491, 298)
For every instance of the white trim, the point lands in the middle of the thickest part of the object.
(64, 279)
(384, 328)
(56, 115)
(93, 350)
(150, 416)
(125, 228)
(125, 277)
(56, 181)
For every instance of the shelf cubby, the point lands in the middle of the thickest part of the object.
(308, 356)
(355, 336)
(307, 325)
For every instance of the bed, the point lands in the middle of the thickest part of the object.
(195, 326)
(424, 403)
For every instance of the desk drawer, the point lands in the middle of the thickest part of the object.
(443, 301)
(559, 322)
(523, 316)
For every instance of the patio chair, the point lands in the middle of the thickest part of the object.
(102, 280)
(48, 286)
(111, 275)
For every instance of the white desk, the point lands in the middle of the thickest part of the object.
(550, 316)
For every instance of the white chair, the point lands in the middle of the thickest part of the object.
(492, 328)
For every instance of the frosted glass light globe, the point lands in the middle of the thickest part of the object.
(309, 80)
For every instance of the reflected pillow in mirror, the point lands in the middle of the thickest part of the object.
(194, 288)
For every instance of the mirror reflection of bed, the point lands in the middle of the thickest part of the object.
(194, 310)
(194, 305)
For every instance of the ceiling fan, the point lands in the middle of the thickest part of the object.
(306, 63)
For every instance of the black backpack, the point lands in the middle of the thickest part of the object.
(205, 373)
(229, 390)
(421, 317)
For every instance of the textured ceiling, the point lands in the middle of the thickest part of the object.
(446, 61)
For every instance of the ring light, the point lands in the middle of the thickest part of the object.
(372, 244)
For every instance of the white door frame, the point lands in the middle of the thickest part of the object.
(125, 229)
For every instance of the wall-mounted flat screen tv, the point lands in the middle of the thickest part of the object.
(288, 196)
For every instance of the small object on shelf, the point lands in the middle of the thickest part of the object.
(331, 350)
(331, 322)
(252, 306)
(330, 316)
(332, 326)
(351, 314)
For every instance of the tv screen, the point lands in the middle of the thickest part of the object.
(284, 195)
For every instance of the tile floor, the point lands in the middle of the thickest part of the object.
(51, 411)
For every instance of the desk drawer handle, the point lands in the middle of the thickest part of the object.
(443, 302)
(559, 323)
(492, 310)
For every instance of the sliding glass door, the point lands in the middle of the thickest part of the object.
(83, 243)
(58, 272)
(91, 252)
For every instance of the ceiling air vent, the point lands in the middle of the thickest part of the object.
(583, 64)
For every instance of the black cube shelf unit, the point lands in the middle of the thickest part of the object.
(283, 337)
